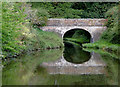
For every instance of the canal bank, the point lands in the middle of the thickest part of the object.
(33, 40)
(21, 34)
(103, 47)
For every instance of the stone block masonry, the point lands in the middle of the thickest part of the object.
(76, 22)
(94, 26)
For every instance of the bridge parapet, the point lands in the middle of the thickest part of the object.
(75, 22)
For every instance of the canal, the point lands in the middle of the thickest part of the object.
(72, 65)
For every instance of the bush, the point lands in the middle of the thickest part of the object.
(112, 33)
(18, 34)
(12, 21)
(74, 9)
(39, 17)
(36, 16)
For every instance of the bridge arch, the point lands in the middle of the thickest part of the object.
(61, 26)
(70, 32)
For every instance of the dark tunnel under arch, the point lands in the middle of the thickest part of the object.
(80, 32)
(73, 51)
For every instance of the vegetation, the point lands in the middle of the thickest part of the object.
(11, 27)
(112, 61)
(75, 9)
(109, 40)
(21, 70)
(86, 10)
(111, 53)
(21, 33)
(112, 33)
(18, 33)
(103, 46)
(77, 36)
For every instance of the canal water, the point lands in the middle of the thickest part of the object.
(71, 66)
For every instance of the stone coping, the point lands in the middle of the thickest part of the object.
(75, 22)
(76, 19)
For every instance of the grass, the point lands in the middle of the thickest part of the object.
(114, 55)
(81, 40)
(46, 39)
(77, 44)
(37, 39)
(104, 47)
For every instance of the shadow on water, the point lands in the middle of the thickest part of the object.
(75, 54)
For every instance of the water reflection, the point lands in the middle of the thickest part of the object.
(21, 70)
(27, 70)
(75, 54)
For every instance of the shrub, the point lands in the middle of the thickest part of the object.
(12, 21)
(75, 9)
(112, 33)
(39, 17)
(18, 33)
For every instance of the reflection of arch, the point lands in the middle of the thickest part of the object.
(94, 66)
(75, 54)
(70, 32)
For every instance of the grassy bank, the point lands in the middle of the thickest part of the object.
(18, 33)
(103, 46)
(76, 40)
(45, 40)
(37, 40)
(113, 54)
(71, 42)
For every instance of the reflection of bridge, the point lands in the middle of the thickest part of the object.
(94, 66)
(93, 26)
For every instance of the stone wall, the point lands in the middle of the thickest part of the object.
(76, 22)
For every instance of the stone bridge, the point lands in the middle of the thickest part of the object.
(94, 26)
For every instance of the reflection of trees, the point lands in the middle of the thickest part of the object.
(21, 70)
(75, 54)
